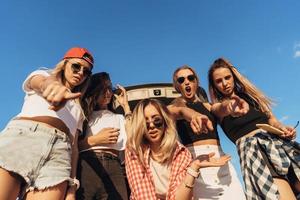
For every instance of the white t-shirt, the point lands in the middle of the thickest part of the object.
(35, 105)
(161, 174)
(105, 119)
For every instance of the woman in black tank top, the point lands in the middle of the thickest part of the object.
(213, 183)
(270, 163)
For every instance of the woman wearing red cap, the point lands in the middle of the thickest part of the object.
(39, 146)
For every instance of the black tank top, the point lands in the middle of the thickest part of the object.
(237, 127)
(186, 133)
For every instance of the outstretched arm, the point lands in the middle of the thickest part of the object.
(235, 106)
(52, 90)
(184, 190)
(199, 122)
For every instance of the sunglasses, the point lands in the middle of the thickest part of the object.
(157, 122)
(181, 79)
(76, 68)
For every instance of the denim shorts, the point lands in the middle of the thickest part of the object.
(41, 155)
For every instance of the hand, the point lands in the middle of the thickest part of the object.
(106, 136)
(289, 132)
(235, 106)
(207, 160)
(57, 94)
(239, 106)
(122, 97)
(201, 124)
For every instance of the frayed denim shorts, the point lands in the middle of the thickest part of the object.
(41, 155)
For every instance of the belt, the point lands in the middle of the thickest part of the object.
(50, 121)
(113, 152)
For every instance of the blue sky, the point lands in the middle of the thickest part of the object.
(143, 41)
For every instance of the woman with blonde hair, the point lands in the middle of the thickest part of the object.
(269, 158)
(157, 165)
(39, 146)
(214, 182)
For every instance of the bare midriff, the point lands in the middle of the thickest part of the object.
(48, 121)
(205, 142)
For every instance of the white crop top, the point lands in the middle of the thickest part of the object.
(105, 119)
(35, 105)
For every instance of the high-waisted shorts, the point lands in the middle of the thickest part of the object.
(220, 183)
(39, 154)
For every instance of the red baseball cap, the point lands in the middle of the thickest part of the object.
(78, 52)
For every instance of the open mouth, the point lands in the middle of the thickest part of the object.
(188, 90)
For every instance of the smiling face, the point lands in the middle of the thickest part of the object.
(223, 81)
(155, 126)
(76, 71)
(187, 84)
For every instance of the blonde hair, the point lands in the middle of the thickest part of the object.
(137, 141)
(241, 85)
(176, 84)
(58, 73)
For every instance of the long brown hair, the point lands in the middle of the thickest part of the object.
(99, 82)
(241, 86)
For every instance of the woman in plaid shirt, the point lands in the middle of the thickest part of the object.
(157, 165)
(270, 158)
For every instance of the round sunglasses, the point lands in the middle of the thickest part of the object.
(76, 68)
(157, 122)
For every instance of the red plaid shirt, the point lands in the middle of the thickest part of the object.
(141, 180)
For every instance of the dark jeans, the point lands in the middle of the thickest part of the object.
(101, 177)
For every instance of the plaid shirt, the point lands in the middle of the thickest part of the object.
(282, 153)
(141, 180)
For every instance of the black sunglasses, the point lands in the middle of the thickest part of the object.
(157, 122)
(181, 79)
(76, 67)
